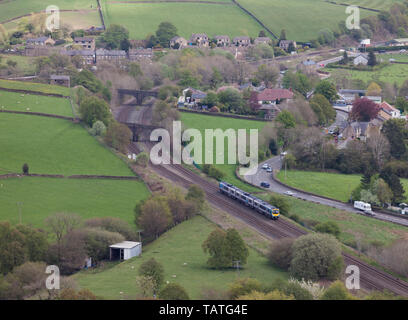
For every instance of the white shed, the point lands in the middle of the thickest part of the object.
(125, 250)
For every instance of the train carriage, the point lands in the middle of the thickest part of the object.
(249, 200)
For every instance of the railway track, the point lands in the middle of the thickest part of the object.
(370, 277)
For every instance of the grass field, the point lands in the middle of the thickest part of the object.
(142, 19)
(202, 122)
(392, 73)
(332, 185)
(34, 103)
(31, 86)
(14, 8)
(53, 146)
(25, 64)
(302, 19)
(180, 252)
(88, 198)
(372, 4)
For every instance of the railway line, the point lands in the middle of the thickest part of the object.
(370, 277)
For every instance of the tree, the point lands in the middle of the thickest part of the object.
(146, 285)
(118, 136)
(287, 119)
(273, 295)
(114, 36)
(231, 99)
(210, 100)
(364, 110)
(282, 35)
(394, 130)
(329, 227)
(216, 247)
(88, 80)
(35, 242)
(345, 59)
(297, 291)
(25, 168)
(12, 250)
(97, 243)
(262, 34)
(280, 203)
(382, 191)
(280, 253)
(312, 256)
(327, 89)
(173, 291)
(379, 147)
(152, 268)
(196, 195)
(401, 104)
(155, 216)
(372, 60)
(113, 224)
(236, 248)
(93, 109)
(367, 196)
(267, 74)
(373, 89)
(244, 286)
(323, 109)
(165, 32)
(337, 291)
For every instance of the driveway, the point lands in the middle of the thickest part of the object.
(276, 164)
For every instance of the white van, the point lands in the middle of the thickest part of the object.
(364, 206)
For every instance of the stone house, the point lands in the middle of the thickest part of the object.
(242, 41)
(60, 80)
(361, 130)
(178, 41)
(262, 40)
(269, 97)
(116, 56)
(222, 41)
(199, 39)
(87, 43)
(284, 44)
(140, 54)
(88, 56)
(41, 41)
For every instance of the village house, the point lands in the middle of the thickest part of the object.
(41, 41)
(269, 97)
(60, 80)
(349, 95)
(365, 43)
(192, 97)
(361, 130)
(285, 44)
(87, 43)
(141, 54)
(262, 40)
(387, 111)
(178, 42)
(88, 56)
(361, 59)
(222, 41)
(242, 41)
(199, 39)
(398, 42)
(116, 56)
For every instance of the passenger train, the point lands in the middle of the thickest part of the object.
(249, 200)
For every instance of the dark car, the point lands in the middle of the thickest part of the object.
(265, 184)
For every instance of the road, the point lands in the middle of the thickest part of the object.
(276, 164)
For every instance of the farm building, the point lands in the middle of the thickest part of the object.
(178, 42)
(87, 43)
(125, 250)
(60, 80)
(360, 60)
(269, 96)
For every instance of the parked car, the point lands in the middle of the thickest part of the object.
(269, 169)
(265, 184)
(265, 166)
(289, 193)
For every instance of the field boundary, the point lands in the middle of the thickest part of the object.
(48, 115)
(60, 176)
(101, 15)
(38, 93)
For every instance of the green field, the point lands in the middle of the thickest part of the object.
(202, 122)
(34, 103)
(25, 64)
(332, 185)
(142, 19)
(53, 146)
(372, 4)
(88, 198)
(302, 19)
(392, 73)
(180, 252)
(32, 86)
(14, 8)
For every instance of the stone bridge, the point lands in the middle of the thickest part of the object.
(141, 132)
(140, 95)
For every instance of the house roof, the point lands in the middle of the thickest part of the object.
(57, 77)
(125, 245)
(40, 39)
(241, 38)
(177, 38)
(111, 52)
(273, 94)
(83, 39)
(221, 38)
(77, 52)
(387, 107)
(199, 35)
(286, 42)
(266, 39)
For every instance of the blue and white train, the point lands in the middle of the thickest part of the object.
(249, 200)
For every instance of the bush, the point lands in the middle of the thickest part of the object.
(294, 289)
(337, 291)
(113, 225)
(329, 227)
(312, 255)
(216, 173)
(98, 128)
(118, 136)
(335, 269)
(93, 109)
(280, 253)
(25, 168)
(173, 291)
(243, 286)
(280, 203)
(142, 159)
(97, 242)
(152, 268)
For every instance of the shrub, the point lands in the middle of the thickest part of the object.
(93, 109)
(216, 173)
(173, 291)
(337, 291)
(25, 168)
(312, 255)
(118, 136)
(243, 286)
(98, 128)
(142, 159)
(152, 268)
(329, 227)
(295, 289)
(280, 253)
(280, 203)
